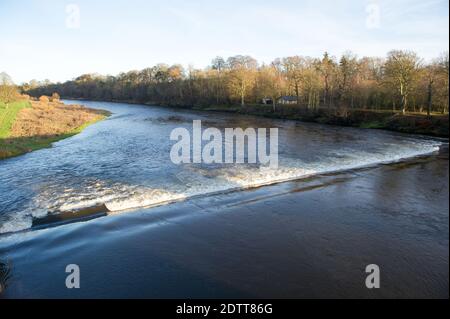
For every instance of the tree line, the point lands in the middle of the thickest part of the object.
(402, 81)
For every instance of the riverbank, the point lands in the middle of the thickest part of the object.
(304, 239)
(413, 123)
(31, 125)
(436, 125)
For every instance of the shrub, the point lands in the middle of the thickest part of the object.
(44, 99)
(55, 97)
(8, 93)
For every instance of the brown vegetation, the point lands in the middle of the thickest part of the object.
(52, 118)
(41, 123)
(44, 99)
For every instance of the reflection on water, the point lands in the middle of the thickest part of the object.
(5, 275)
(124, 162)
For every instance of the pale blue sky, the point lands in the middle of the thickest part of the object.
(123, 35)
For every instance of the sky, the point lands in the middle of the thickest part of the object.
(60, 40)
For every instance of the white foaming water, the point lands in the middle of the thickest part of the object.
(17, 222)
(146, 199)
(196, 181)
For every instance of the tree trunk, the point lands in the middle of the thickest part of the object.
(446, 108)
(430, 98)
(404, 103)
(330, 97)
(403, 95)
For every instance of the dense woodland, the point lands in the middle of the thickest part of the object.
(402, 82)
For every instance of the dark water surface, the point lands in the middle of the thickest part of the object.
(305, 238)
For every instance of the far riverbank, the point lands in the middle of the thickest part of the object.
(436, 125)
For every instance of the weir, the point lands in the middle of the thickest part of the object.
(53, 219)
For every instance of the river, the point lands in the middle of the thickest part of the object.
(341, 199)
(124, 162)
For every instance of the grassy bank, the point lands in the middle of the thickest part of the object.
(8, 115)
(413, 123)
(30, 126)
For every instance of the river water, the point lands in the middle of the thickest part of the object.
(124, 162)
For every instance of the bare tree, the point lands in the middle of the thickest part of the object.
(270, 83)
(219, 65)
(348, 70)
(8, 93)
(295, 67)
(327, 69)
(430, 76)
(401, 69)
(242, 70)
(443, 64)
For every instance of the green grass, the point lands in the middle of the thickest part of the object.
(373, 125)
(8, 114)
(17, 146)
